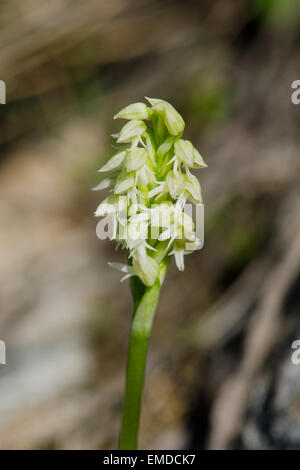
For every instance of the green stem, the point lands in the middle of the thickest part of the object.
(144, 311)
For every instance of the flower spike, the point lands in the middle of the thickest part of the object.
(151, 182)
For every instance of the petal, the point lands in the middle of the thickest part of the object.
(134, 111)
(192, 186)
(188, 227)
(132, 129)
(135, 158)
(124, 182)
(106, 183)
(146, 268)
(104, 208)
(115, 162)
(198, 160)
(150, 146)
(153, 101)
(173, 121)
(160, 189)
(175, 184)
(113, 203)
(179, 259)
(165, 235)
(119, 266)
(165, 146)
(184, 151)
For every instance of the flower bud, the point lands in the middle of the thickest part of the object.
(134, 111)
(172, 119)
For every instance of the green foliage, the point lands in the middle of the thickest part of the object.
(280, 14)
(239, 228)
(210, 101)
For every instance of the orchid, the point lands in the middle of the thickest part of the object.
(152, 167)
(150, 182)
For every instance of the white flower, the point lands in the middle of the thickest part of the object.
(173, 184)
(179, 251)
(131, 132)
(180, 186)
(153, 165)
(186, 154)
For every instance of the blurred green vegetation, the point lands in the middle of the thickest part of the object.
(241, 228)
(209, 102)
(280, 14)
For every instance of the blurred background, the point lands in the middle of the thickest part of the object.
(219, 370)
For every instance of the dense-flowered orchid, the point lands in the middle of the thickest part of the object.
(151, 182)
